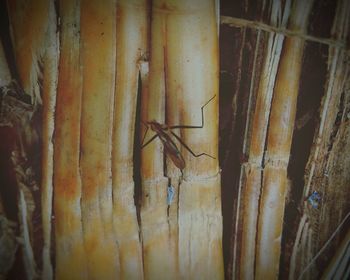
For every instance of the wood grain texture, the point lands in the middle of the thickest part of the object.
(98, 53)
(70, 253)
(50, 76)
(132, 28)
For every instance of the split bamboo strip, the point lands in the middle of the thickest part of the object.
(252, 170)
(131, 45)
(98, 56)
(50, 74)
(296, 247)
(29, 21)
(281, 124)
(159, 255)
(192, 80)
(337, 267)
(29, 263)
(69, 250)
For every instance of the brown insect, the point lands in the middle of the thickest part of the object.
(165, 134)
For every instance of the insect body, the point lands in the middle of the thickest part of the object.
(165, 134)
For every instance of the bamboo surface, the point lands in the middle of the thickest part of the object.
(159, 254)
(279, 139)
(132, 28)
(70, 253)
(181, 75)
(192, 78)
(264, 176)
(252, 171)
(98, 29)
(50, 74)
(88, 136)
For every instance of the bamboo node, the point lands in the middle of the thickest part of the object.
(276, 162)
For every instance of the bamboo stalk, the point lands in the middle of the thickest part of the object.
(181, 75)
(192, 79)
(50, 74)
(252, 171)
(131, 45)
(98, 54)
(69, 250)
(279, 140)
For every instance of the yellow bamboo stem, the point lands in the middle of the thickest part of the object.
(252, 171)
(279, 140)
(70, 252)
(98, 54)
(278, 150)
(131, 46)
(192, 79)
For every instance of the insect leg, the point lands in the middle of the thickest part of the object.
(188, 148)
(194, 126)
(144, 136)
(149, 141)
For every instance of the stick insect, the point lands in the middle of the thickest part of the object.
(165, 134)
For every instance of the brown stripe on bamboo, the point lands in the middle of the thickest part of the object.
(98, 54)
(69, 249)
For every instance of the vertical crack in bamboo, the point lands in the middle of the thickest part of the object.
(50, 65)
(251, 180)
(158, 257)
(131, 46)
(70, 253)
